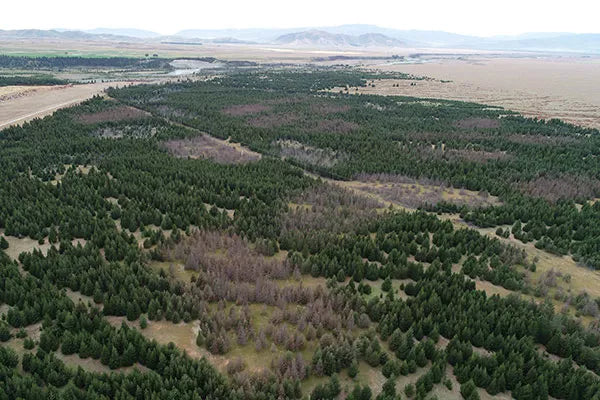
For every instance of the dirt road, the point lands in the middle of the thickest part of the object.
(21, 104)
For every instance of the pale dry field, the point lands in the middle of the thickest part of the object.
(19, 104)
(565, 88)
(250, 52)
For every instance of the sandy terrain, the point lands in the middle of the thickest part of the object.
(19, 104)
(565, 88)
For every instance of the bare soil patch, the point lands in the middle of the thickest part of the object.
(208, 147)
(17, 246)
(245, 109)
(120, 113)
(12, 92)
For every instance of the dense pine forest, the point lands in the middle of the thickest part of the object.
(272, 235)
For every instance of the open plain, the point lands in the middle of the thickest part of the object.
(545, 87)
(24, 103)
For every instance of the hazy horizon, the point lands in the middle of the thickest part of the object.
(301, 28)
(467, 17)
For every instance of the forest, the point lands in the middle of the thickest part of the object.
(31, 80)
(135, 263)
(545, 172)
(43, 62)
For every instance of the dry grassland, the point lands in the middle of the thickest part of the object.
(26, 104)
(565, 88)
(414, 193)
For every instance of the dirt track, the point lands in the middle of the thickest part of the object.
(18, 105)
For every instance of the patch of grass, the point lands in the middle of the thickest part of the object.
(174, 269)
(17, 246)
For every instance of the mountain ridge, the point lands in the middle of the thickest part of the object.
(325, 39)
(347, 35)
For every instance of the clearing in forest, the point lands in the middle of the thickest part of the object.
(414, 193)
(209, 147)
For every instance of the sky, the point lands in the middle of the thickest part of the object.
(474, 17)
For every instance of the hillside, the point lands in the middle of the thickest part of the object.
(40, 34)
(331, 37)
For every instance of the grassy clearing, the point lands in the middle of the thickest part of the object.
(377, 292)
(582, 278)
(305, 280)
(175, 270)
(442, 392)
(17, 246)
(411, 193)
(80, 169)
(490, 289)
(91, 365)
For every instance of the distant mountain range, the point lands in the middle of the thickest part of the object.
(136, 33)
(318, 38)
(62, 35)
(335, 37)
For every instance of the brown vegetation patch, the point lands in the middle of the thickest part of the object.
(205, 146)
(331, 208)
(479, 156)
(245, 109)
(120, 113)
(562, 187)
(254, 306)
(414, 193)
(477, 123)
(326, 108)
